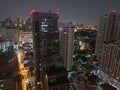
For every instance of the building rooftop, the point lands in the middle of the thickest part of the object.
(5, 57)
(57, 76)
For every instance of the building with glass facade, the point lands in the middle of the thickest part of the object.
(46, 49)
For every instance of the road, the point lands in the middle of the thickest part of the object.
(107, 86)
(22, 70)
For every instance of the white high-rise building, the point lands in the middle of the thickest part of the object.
(108, 29)
(110, 59)
(66, 44)
(108, 44)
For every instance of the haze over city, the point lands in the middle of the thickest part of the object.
(82, 11)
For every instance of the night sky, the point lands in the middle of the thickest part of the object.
(82, 11)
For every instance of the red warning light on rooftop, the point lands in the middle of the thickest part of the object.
(57, 13)
(32, 12)
(113, 11)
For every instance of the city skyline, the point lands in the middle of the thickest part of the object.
(43, 53)
(82, 11)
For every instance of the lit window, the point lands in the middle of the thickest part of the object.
(45, 19)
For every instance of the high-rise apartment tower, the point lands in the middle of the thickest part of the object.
(46, 45)
(66, 43)
(108, 44)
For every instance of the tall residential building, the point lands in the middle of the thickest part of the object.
(49, 74)
(108, 44)
(108, 30)
(66, 44)
(110, 60)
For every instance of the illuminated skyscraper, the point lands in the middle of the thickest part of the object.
(46, 45)
(50, 73)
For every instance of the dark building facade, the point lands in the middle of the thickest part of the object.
(46, 46)
(8, 68)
